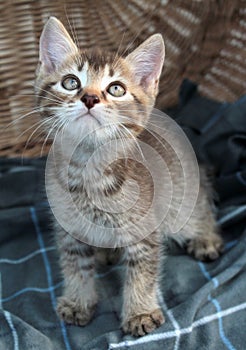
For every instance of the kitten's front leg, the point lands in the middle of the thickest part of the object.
(79, 299)
(141, 312)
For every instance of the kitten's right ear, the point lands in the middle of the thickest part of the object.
(55, 45)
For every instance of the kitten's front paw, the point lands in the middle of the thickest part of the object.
(144, 323)
(73, 313)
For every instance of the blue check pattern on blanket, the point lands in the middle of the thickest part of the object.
(204, 303)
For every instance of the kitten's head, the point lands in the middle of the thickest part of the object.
(88, 90)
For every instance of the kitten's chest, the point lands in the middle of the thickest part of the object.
(89, 181)
(92, 201)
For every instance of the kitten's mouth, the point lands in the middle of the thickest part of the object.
(88, 116)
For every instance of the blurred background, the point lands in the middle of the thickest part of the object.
(205, 42)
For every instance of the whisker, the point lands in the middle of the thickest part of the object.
(140, 112)
(30, 137)
(42, 124)
(55, 123)
(35, 110)
(32, 126)
(134, 139)
(43, 97)
(48, 92)
(54, 143)
(63, 129)
(147, 21)
(122, 139)
(118, 50)
(70, 26)
(151, 132)
(74, 35)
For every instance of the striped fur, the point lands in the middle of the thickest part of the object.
(120, 120)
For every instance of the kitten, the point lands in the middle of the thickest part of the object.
(86, 95)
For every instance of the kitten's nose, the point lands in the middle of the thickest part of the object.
(90, 100)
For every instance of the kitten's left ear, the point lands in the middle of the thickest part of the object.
(55, 45)
(147, 62)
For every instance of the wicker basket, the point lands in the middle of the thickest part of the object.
(205, 41)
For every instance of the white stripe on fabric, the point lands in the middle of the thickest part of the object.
(30, 289)
(13, 330)
(201, 322)
(27, 257)
(172, 319)
(217, 306)
(232, 214)
(48, 273)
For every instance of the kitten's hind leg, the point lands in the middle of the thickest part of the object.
(79, 299)
(206, 247)
(200, 233)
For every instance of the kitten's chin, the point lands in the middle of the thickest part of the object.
(88, 120)
(87, 130)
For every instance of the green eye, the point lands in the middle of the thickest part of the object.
(71, 82)
(116, 90)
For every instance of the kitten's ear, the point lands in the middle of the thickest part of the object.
(55, 44)
(147, 62)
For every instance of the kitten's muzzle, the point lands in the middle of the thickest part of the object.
(90, 100)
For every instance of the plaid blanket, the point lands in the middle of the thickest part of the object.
(204, 303)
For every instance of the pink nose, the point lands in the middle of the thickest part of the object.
(90, 100)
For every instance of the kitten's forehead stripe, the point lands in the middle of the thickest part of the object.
(111, 72)
(83, 74)
(97, 59)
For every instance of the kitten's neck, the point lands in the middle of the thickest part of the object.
(97, 169)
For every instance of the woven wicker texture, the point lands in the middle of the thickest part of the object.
(205, 41)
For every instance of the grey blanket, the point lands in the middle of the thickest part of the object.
(204, 303)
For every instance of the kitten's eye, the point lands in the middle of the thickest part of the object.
(116, 89)
(71, 82)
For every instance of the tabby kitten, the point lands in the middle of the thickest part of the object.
(97, 99)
